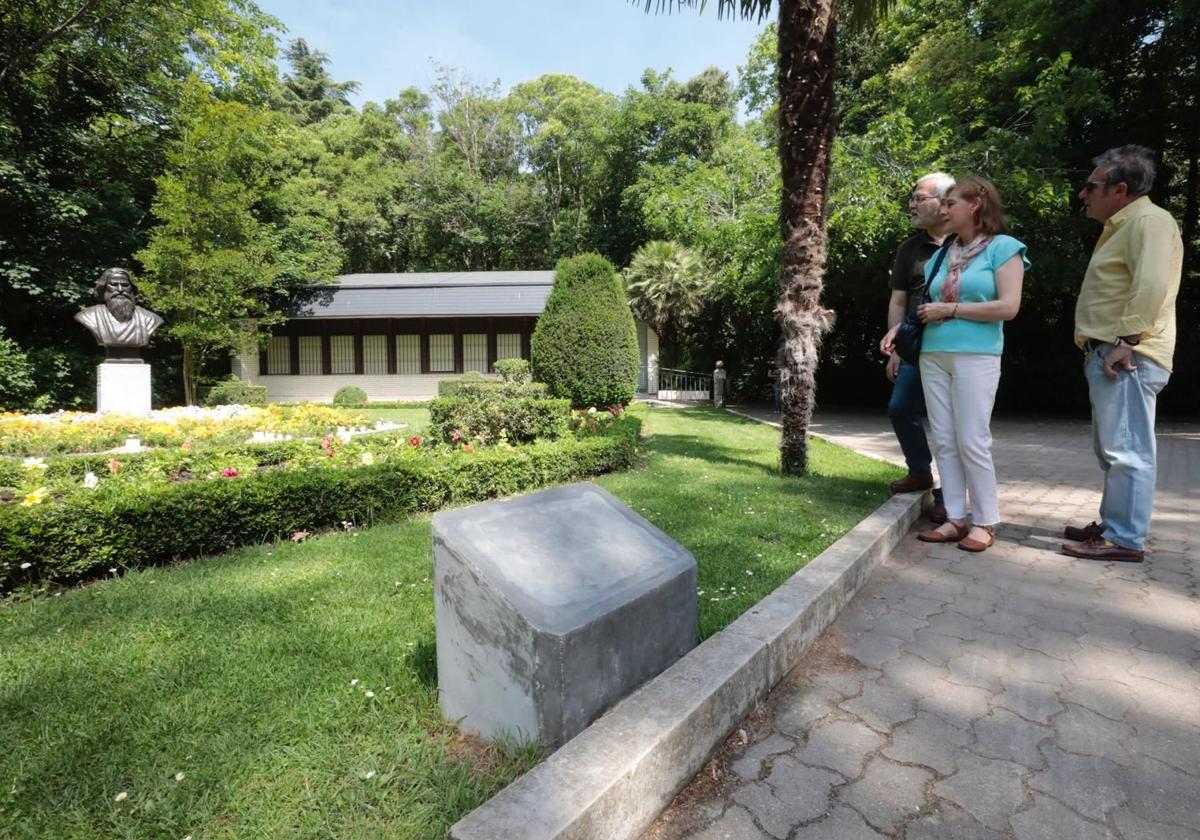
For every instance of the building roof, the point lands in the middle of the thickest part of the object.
(430, 294)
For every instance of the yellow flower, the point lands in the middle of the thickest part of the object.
(34, 498)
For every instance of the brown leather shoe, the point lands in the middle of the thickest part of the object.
(912, 484)
(936, 536)
(936, 514)
(1098, 548)
(968, 544)
(1092, 529)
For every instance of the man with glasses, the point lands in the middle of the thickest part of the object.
(1125, 324)
(907, 405)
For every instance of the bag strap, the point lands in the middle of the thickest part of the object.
(941, 258)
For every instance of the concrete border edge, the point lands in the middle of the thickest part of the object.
(615, 778)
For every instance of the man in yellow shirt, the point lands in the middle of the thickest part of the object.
(1125, 324)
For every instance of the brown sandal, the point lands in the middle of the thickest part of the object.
(936, 536)
(968, 544)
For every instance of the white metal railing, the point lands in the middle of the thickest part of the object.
(685, 384)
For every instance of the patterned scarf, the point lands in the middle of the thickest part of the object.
(960, 258)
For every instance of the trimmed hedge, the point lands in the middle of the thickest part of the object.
(585, 345)
(515, 419)
(489, 388)
(89, 533)
(515, 371)
(234, 391)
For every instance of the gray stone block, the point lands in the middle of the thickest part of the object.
(551, 607)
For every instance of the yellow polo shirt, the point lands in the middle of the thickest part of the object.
(1132, 280)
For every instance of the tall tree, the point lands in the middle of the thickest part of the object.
(807, 62)
(309, 93)
(240, 225)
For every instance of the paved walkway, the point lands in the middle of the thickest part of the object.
(1015, 694)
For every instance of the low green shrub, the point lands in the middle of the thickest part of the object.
(350, 395)
(515, 371)
(234, 391)
(513, 419)
(487, 388)
(141, 524)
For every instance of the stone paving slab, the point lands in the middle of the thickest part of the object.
(1017, 694)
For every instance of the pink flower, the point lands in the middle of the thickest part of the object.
(455, 436)
(415, 440)
(327, 442)
(229, 472)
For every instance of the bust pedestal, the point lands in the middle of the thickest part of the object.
(123, 387)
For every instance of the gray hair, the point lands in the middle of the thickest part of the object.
(942, 183)
(1132, 164)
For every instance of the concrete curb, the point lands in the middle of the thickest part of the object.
(615, 778)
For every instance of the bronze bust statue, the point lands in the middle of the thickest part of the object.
(118, 323)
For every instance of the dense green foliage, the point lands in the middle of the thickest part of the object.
(131, 524)
(235, 391)
(18, 391)
(497, 418)
(584, 346)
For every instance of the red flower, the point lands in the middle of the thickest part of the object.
(415, 440)
(229, 472)
(114, 466)
(327, 442)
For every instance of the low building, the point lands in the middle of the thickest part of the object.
(397, 335)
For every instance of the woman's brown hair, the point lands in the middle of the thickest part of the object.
(989, 216)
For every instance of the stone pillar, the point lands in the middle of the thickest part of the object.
(719, 384)
(123, 387)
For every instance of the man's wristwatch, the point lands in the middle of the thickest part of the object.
(1122, 341)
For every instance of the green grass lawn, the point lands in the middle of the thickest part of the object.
(289, 690)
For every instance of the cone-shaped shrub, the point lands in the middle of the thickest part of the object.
(585, 344)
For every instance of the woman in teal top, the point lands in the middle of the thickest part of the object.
(977, 289)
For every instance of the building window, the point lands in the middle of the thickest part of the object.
(341, 354)
(310, 355)
(475, 352)
(508, 346)
(408, 354)
(441, 354)
(374, 354)
(279, 355)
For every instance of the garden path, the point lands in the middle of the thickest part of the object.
(1015, 694)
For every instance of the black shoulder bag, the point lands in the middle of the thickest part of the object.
(908, 336)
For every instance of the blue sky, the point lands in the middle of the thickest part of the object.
(388, 46)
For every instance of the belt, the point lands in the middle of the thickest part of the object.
(1090, 344)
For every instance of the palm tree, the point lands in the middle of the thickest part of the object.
(666, 283)
(807, 61)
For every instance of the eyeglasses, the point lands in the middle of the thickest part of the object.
(1091, 186)
(918, 198)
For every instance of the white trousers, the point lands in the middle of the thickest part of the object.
(960, 390)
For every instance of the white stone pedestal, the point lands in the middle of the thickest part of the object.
(123, 388)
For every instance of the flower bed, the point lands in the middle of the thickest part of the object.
(74, 431)
(171, 505)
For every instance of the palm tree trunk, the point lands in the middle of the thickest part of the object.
(807, 53)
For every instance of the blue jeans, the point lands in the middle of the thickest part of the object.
(906, 409)
(1123, 437)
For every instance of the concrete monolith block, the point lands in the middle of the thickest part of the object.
(551, 607)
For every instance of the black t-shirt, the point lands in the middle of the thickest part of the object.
(908, 273)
